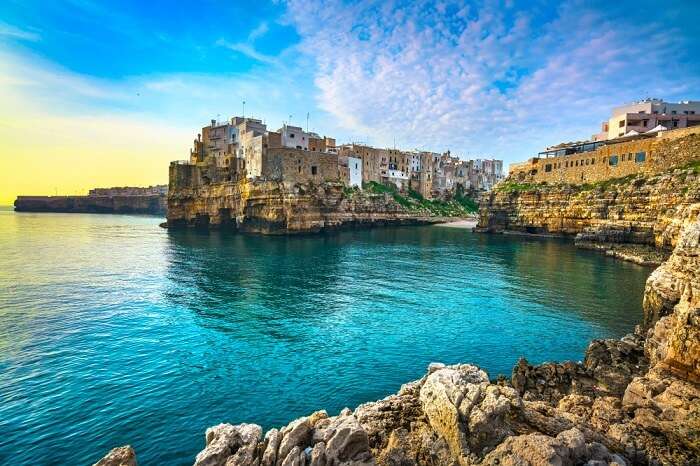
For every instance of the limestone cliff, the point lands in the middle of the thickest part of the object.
(631, 401)
(642, 210)
(274, 207)
(152, 204)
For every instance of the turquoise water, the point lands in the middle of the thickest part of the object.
(115, 331)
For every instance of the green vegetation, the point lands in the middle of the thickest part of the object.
(515, 187)
(350, 191)
(694, 166)
(607, 184)
(460, 205)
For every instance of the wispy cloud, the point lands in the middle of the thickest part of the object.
(484, 76)
(13, 32)
(248, 50)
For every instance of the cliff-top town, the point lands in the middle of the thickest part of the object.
(245, 147)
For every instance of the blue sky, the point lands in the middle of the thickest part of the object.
(487, 78)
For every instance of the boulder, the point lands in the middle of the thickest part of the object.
(225, 441)
(121, 456)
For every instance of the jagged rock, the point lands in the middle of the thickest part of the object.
(272, 444)
(296, 434)
(346, 442)
(568, 448)
(551, 381)
(466, 410)
(608, 367)
(121, 456)
(613, 363)
(295, 457)
(225, 441)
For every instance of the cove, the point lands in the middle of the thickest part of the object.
(115, 331)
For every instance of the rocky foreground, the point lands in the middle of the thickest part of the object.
(631, 401)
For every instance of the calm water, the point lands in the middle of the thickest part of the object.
(114, 331)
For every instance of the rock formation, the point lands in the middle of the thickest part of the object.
(631, 401)
(150, 204)
(638, 218)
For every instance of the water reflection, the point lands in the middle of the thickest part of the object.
(244, 279)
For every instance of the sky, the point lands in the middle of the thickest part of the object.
(108, 93)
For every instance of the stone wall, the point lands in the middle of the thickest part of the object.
(299, 166)
(667, 149)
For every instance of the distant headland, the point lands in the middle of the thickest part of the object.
(118, 200)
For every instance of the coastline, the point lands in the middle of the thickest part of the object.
(462, 223)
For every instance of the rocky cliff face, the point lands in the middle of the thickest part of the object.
(626, 217)
(272, 207)
(147, 204)
(632, 401)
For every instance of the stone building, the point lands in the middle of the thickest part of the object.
(603, 160)
(243, 147)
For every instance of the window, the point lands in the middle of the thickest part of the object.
(592, 161)
(613, 160)
(640, 157)
(291, 135)
(673, 112)
(623, 157)
(314, 170)
(622, 123)
(675, 123)
(548, 168)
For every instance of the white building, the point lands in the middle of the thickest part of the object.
(647, 114)
(355, 171)
(294, 137)
(397, 177)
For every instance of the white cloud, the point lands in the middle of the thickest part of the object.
(481, 78)
(248, 50)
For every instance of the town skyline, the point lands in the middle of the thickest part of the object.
(88, 106)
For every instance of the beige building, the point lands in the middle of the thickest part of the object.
(647, 115)
(604, 160)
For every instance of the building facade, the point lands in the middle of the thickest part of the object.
(243, 147)
(646, 115)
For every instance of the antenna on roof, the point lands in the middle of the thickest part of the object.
(307, 122)
(244, 109)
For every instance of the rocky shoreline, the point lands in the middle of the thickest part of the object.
(631, 401)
